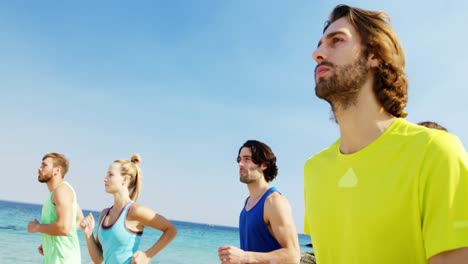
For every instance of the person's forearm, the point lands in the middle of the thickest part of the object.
(54, 229)
(162, 242)
(283, 255)
(94, 250)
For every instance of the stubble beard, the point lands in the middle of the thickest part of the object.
(45, 178)
(245, 179)
(341, 89)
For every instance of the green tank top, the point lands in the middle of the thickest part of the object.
(60, 249)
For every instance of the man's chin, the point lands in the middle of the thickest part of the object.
(41, 180)
(245, 180)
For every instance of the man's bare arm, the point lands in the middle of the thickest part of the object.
(63, 200)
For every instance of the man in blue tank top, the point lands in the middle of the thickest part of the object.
(266, 226)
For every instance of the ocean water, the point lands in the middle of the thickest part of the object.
(195, 243)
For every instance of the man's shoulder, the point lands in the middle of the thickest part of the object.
(63, 191)
(276, 206)
(446, 144)
(64, 187)
(430, 137)
(427, 141)
(327, 153)
(413, 131)
(276, 198)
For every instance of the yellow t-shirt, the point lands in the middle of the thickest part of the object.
(401, 199)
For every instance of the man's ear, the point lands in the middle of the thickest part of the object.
(373, 61)
(57, 170)
(263, 167)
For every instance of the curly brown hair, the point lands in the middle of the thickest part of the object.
(379, 39)
(262, 154)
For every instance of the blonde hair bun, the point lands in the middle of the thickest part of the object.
(135, 158)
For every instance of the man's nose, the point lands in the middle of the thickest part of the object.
(319, 54)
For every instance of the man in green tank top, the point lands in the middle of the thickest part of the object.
(60, 214)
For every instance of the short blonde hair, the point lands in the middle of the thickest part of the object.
(58, 160)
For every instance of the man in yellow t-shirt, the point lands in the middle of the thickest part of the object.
(387, 191)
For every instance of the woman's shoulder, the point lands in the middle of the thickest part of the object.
(137, 211)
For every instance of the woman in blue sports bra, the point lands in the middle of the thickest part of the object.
(120, 227)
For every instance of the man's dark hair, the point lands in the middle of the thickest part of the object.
(262, 154)
(434, 125)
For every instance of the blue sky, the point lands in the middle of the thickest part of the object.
(185, 83)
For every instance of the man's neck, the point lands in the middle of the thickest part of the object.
(257, 189)
(362, 123)
(54, 182)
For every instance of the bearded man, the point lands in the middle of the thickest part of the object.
(387, 191)
(60, 214)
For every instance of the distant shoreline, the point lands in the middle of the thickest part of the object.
(97, 212)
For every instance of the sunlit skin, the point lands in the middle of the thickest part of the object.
(342, 70)
(339, 46)
(249, 172)
(114, 181)
(46, 170)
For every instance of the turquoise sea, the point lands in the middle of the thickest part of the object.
(195, 243)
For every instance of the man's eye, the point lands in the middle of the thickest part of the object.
(336, 40)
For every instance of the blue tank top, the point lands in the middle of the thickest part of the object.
(253, 232)
(118, 242)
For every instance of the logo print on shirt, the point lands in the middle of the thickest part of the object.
(349, 179)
